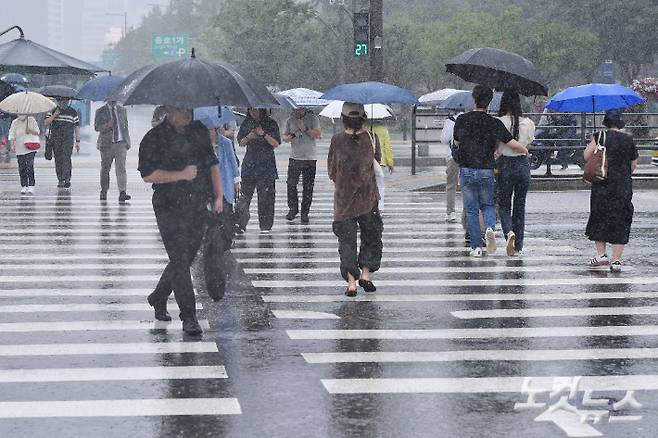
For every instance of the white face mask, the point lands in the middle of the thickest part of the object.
(22, 118)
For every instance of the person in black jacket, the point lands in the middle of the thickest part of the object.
(177, 157)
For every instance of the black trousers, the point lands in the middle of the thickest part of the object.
(266, 197)
(181, 228)
(62, 154)
(370, 253)
(26, 169)
(305, 168)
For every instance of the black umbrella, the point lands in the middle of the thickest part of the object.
(193, 83)
(25, 56)
(498, 69)
(59, 91)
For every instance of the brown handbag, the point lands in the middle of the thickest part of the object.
(596, 168)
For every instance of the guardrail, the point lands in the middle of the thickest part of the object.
(564, 138)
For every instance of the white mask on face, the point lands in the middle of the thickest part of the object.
(22, 118)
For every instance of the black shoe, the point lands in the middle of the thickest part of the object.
(103, 196)
(238, 229)
(291, 215)
(161, 313)
(60, 184)
(123, 197)
(191, 326)
(67, 184)
(367, 285)
(350, 292)
(304, 219)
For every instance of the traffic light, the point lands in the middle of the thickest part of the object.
(361, 23)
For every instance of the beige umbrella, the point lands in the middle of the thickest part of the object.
(27, 102)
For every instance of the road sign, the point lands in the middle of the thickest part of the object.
(167, 45)
(110, 57)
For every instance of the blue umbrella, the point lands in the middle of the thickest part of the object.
(100, 88)
(463, 101)
(593, 98)
(211, 116)
(370, 92)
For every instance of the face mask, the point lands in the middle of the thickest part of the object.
(22, 118)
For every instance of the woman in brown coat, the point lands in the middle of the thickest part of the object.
(350, 167)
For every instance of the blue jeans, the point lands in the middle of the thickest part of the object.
(513, 182)
(478, 193)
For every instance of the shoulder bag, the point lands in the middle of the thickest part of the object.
(379, 173)
(596, 168)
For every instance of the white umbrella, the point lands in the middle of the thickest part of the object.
(305, 97)
(373, 111)
(438, 96)
(27, 102)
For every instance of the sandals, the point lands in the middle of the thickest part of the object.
(367, 285)
(349, 292)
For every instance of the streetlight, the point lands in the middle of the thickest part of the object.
(125, 20)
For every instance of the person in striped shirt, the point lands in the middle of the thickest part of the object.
(64, 124)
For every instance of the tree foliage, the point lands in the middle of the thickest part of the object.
(297, 43)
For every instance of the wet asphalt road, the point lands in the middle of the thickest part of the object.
(441, 349)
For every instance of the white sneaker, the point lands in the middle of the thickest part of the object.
(477, 252)
(451, 217)
(599, 262)
(23, 190)
(490, 237)
(30, 190)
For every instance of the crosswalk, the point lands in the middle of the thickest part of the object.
(444, 323)
(77, 338)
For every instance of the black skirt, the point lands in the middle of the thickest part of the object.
(611, 214)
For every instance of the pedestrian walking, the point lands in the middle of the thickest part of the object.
(111, 123)
(178, 159)
(228, 131)
(452, 168)
(228, 168)
(260, 134)
(476, 135)
(350, 166)
(302, 131)
(611, 206)
(64, 124)
(379, 129)
(24, 140)
(513, 179)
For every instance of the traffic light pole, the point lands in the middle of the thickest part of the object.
(377, 40)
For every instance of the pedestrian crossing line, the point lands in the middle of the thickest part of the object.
(94, 307)
(81, 266)
(494, 282)
(27, 246)
(476, 333)
(471, 385)
(419, 232)
(554, 312)
(389, 249)
(47, 277)
(84, 292)
(424, 269)
(481, 355)
(121, 408)
(241, 243)
(491, 260)
(458, 297)
(68, 257)
(169, 347)
(74, 326)
(31, 375)
(303, 314)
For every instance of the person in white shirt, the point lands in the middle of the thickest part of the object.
(25, 148)
(452, 168)
(513, 172)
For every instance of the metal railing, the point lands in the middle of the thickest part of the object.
(553, 137)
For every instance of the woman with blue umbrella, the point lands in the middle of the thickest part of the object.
(611, 206)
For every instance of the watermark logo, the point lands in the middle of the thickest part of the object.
(577, 418)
